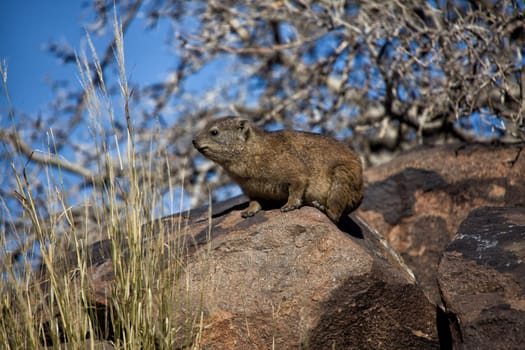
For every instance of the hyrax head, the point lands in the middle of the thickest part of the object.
(223, 139)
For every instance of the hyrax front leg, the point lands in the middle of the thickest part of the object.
(253, 208)
(296, 191)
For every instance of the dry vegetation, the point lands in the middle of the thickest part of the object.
(384, 76)
(59, 301)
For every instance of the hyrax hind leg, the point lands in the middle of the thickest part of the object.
(346, 192)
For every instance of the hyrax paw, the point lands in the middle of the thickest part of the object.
(289, 208)
(246, 214)
(319, 206)
(252, 209)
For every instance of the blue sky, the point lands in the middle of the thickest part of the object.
(26, 27)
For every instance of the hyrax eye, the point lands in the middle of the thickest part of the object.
(214, 132)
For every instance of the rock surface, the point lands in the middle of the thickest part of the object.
(296, 281)
(482, 280)
(418, 200)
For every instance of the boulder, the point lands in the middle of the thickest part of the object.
(297, 281)
(291, 281)
(482, 280)
(418, 200)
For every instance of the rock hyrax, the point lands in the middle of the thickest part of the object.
(300, 168)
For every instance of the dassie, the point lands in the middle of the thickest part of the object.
(300, 168)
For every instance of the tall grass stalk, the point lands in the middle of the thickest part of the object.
(60, 305)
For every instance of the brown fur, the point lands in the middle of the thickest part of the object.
(297, 167)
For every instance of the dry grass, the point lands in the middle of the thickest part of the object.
(146, 305)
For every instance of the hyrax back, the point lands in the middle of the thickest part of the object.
(297, 167)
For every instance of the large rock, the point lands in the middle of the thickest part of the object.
(419, 199)
(482, 280)
(292, 281)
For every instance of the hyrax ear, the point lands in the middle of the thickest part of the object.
(244, 127)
